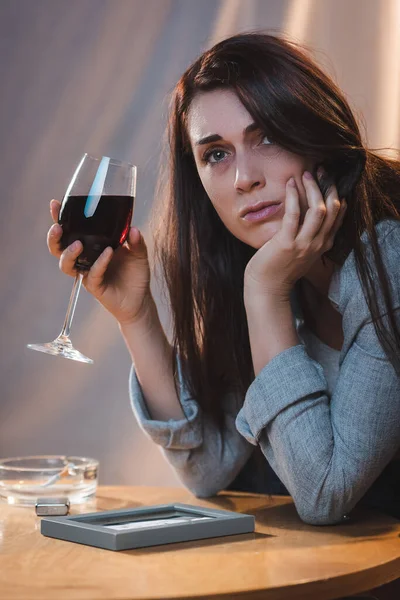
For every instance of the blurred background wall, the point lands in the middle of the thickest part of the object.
(94, 75)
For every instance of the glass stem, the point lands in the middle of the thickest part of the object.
(71, 306)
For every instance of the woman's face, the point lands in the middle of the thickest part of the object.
(239, 167)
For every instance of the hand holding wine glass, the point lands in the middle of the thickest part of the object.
(94, 221)
(119, 280)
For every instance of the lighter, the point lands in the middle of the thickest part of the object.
(52, 506)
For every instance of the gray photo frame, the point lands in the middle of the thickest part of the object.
(147, 526)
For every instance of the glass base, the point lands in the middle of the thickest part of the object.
(61, 346)
(26, 497)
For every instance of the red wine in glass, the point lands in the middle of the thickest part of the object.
(108, 226)
(97, 209)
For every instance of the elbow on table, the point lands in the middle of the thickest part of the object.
(197, 485)
(320, 520)
(205, 491)
(327, 502)
(202, 489)
(315, 515)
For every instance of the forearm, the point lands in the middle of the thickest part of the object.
(204, 458)
(271, 328)
(152, 356)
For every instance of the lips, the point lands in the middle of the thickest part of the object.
(257, 207)
(264, 212)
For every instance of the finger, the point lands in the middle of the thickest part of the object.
(133, 236)
(333, 206)
(68, 258)
(95, 276)
(329, 239)
(292, 211)
(53, 239)
(316, 213)
(339, 219)
(136, 243)
(336, 210)
(55, 206)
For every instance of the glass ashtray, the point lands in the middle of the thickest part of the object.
(25, 479)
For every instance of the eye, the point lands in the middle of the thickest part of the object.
(214, 156)
(265, 140)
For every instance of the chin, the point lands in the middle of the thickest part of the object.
(258, 235)
(262, 234)
(255, 242)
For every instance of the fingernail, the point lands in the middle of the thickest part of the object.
(74, 246)
(307, 175)
(291, 182)
(320, 171)
(55, 229)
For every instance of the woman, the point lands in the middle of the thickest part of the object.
(283, 375)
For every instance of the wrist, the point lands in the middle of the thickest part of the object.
(271, 325)
(144, 319)
(268, 309)
(264, 297)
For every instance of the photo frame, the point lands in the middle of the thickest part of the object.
(147, 526)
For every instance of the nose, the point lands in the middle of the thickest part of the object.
(249, 174)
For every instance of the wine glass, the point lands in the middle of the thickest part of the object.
(97, 209)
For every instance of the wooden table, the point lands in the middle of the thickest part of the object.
(283, 559)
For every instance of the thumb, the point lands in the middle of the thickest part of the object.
(136, 242)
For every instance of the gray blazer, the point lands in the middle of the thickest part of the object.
(327, 450)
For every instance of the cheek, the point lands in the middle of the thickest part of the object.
(217, 189)
(224, 203)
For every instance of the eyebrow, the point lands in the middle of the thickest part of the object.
(216, 138)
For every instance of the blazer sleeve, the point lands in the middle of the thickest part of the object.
(204, 459)
(327, 450)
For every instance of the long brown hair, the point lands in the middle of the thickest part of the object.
(302, 110)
